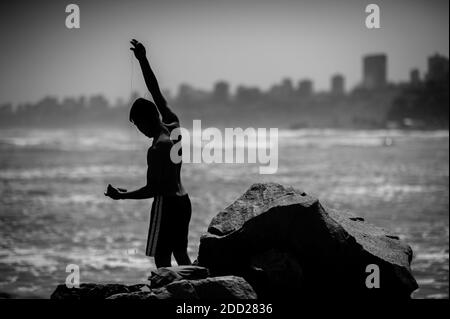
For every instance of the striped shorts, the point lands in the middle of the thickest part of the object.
(169, 224)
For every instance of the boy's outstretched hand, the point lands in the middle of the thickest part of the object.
(138, 49)
(114, 192)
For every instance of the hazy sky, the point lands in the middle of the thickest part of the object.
(201, 41)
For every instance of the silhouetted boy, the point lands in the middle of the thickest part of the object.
(171, 209)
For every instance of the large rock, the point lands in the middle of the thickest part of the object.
(210, 288)
(286, 244)
(213, 288)
(165, 275)
(222, 287)
(95, 291)
(277, 242)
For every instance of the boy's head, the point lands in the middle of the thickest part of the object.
(145, 116)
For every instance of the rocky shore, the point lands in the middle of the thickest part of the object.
(278, 242)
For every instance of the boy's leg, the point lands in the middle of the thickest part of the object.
(182, 257)
(163, 247)
(163, 258)
(183, 213)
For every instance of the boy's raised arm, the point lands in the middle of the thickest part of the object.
(152, 84)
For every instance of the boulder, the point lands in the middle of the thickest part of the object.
(226, 287)
(137, 295)
(222, 287)
(286, 244)
(95, 291)
(164, 275)
(277, 242)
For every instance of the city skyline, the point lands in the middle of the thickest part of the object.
(199, 42)
(421, 102)
(304, 86)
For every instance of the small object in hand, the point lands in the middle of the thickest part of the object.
(109, 189)
(113, 192)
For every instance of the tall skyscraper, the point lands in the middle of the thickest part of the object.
(286, 87)
(305, 88)
(221, 91)
(437, 68)
(375, 71)
(414, 77)
(337, 84)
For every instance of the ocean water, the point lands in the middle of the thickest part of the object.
(53, 212)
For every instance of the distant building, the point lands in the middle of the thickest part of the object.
(221, 91)
(286, 87)
(305, 88)
(185, 92)
(282, 90)
(414, 77)
(375, 71)
(188, 94)
(97, 101)
(247, 94)
(437, 68)
(337, 84)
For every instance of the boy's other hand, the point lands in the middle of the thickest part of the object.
(114, 192)
(138, 49)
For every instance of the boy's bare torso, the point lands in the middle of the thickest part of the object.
(158, 158)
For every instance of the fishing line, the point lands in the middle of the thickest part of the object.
(132, 74)
(135, 132)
